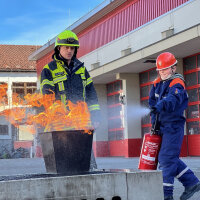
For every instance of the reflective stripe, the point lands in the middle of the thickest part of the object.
(63, 78)
(61, 86)
(183, 172)
(63, 98)
(84, 84)
(83, 76)
(168, 184)
(94, 107)
(59, 75)
(89, 80)
(48, 82)
(80, 71)
(156, 95)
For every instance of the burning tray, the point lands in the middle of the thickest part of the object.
(66, 152)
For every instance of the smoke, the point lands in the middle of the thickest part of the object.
(138, 110)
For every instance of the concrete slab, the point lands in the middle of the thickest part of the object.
(80, 187)
(145, 185)
(103, 186)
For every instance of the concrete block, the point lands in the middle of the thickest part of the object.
(80, 187)
(145, 185)
(98, 186)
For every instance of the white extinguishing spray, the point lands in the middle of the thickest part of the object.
(150, 149)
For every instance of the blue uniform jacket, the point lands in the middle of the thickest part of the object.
(170, 99)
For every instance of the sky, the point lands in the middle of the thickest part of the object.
(34, 22)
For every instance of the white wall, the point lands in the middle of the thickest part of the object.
(132, 117)
(102, 131)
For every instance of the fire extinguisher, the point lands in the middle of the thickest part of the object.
(150, 149)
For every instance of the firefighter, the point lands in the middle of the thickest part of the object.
(168, 99)
(68, 78)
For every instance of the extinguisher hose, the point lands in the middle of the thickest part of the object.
(155, 126)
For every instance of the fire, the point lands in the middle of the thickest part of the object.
(3, 94)
(44, 111)
(15, 116)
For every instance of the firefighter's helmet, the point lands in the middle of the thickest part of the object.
(165, 60)
(67, 38)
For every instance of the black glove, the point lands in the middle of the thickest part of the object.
(153, 110)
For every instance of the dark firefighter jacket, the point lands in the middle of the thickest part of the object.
(170, 99)
(70, 83)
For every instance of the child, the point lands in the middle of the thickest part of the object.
(168, 98)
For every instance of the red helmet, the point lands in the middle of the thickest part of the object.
(165, 60)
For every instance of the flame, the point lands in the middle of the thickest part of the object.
(17, 100)
(3, 94)
(44, 111)
(15, 116)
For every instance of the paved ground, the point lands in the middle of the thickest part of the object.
(36, 165)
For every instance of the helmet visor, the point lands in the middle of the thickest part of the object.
(68, 41)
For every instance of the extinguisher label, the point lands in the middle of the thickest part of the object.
(148, 158)
(150, 152)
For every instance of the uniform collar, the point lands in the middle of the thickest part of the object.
(74, 65)
(176, 75)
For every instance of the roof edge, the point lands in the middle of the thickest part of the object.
(15, 70)
(46, 48)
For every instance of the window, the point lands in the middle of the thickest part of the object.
(189, 63)
(3, 129)
(146, 81)
(191, 66)
(23, 89)
(115, 118)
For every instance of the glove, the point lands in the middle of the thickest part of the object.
(153, 110)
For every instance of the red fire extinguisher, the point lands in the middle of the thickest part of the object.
(150, 149)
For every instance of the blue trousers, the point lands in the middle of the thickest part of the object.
(168, 158)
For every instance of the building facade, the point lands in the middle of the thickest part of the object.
(18, 76)
(119, 42)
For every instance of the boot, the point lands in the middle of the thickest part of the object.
(189, 191)
(169, 198)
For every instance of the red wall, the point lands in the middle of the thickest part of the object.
(43, 61)
(23, 144)
(125, 18)
(124, 148)
(194, 145)
(184, 149)
(101, 149)
(132, 147)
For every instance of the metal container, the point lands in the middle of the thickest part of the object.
(66, 152)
